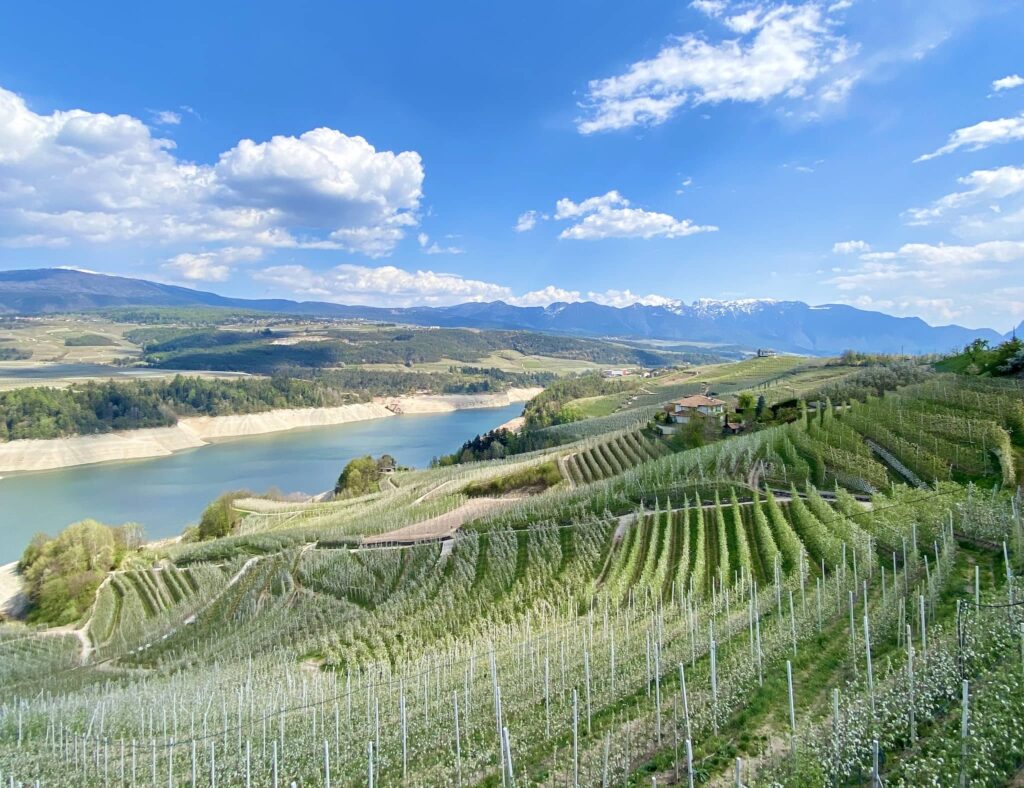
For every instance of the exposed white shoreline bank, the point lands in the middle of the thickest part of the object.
(42, 455)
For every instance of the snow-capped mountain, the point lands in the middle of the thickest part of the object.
(790, 326)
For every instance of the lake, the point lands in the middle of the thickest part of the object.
(165, 494)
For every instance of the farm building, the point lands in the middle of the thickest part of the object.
(682, 410)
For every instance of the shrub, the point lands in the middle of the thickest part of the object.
(533, 478)
(362, 475)
(62, 574)
(220, 517)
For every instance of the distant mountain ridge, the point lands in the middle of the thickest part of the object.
(789, 326)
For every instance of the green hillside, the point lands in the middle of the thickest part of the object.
(773, 604)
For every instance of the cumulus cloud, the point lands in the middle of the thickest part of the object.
(210, 266)
(622, 298)
(774, 51)
(632, 223)
(980, 135)
(391, 286)
(611, 215)
(850, 247)
(79, 176)
(381, 285)
(917, 278)
(1008, 83)
(952, 255)
(983, 185)
(567, 209)
(545, 296)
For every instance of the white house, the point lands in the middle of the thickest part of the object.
(682, 410)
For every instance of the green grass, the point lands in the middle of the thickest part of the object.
(533, 478)
(89, 340)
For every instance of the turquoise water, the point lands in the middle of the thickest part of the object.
(165, 494)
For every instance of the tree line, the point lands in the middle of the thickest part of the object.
(105, 406)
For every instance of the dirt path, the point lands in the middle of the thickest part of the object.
(444, 525)
(85, 649)
(434, 490)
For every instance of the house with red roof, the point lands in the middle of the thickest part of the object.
(682, 410)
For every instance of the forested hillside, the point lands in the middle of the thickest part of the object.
(94, 407)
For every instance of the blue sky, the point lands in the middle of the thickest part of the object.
(864, 152)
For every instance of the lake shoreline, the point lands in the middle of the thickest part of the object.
(31, 455)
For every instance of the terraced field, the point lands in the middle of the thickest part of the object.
(610, 457)
(785, 606)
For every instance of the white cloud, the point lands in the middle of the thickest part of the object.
(934, 310)
(712, 8)
(210, 266)
(611, 215)
(391, 286)
(918, 279)
(780, 50)
(1008, 83)
(433, 247)
(567, 209)
(96, 178)
(873, 273)
(382, 285)
(165, 117)
(943, 255)
(547, 295)
(981, 135)
(850, 247)
(528, 220)
(839, 89)
(994, 184)
(622, 298)
(632, 223)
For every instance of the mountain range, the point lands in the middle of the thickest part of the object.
(789, 326)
